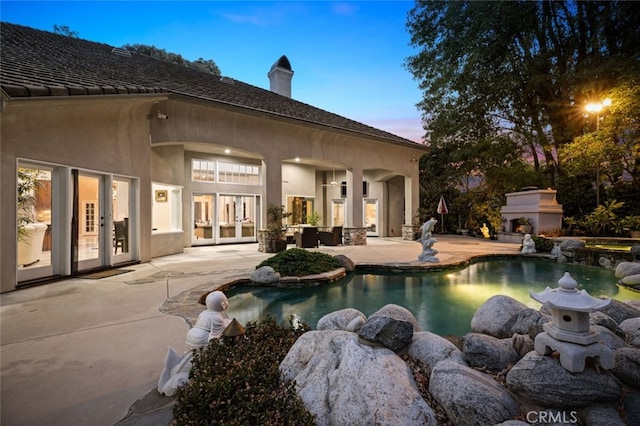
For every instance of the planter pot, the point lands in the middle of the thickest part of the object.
(278, 245)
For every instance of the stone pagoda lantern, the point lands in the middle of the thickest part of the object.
(569, 331)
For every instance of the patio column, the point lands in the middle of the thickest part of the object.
(411, 201)
(354, 198)
(273, 186)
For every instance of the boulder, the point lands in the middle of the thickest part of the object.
(399, 313)
(343, 382)
(571, 245)
(631, 280)
(627, 366)
(527, 321)
(602, 415)
(627, 268)
(348, 319)
(608, 338)
(543, 380)
(634, 303)
(495, 315)
(522, 344)
(598, 318)
(620, 311)
(347, 264)
(392, 333)
(430, 349)
(631, 329)
(470, 397)
(483, 351)
(631, 406)
(265, 275)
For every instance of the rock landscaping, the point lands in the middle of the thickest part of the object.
(352, 370)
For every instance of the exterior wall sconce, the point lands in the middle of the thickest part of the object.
(162, 116)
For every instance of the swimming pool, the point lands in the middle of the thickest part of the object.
(443, 302)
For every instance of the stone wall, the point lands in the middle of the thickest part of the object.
(409, 231)
(354, 236)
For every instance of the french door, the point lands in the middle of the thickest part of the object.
(77, 221)
(237, 218)
(370, 210)
(102, 222)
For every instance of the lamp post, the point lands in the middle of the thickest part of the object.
(597, 107)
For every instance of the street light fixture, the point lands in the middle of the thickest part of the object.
(597, 107)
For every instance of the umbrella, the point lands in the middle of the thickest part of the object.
(442, 210)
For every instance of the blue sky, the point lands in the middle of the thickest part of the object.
(347, 56)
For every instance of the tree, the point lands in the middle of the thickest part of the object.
(519, 68)
(65, 31)
(175, 58)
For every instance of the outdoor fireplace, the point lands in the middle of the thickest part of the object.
(538, 206)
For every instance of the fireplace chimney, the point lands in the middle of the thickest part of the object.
(280, 76)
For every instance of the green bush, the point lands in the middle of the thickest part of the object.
(542, 244)
(299, 262)
(236, 381)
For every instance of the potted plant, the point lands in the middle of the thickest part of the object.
(632, 224)
(313, 219)
(276, 240)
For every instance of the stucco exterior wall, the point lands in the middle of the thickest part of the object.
(102, 135)
(121, 135)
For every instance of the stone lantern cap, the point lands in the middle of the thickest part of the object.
(566, 297)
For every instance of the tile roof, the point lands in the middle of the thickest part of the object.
(36, 63)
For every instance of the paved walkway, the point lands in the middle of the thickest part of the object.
(85, 352)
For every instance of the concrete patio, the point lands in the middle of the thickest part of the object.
(83, 351)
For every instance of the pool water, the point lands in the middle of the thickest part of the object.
(443, 302)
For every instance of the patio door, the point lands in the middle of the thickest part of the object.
(88, 234)
(338, 212)
(237, 218)
(370, 209)
(203, 220)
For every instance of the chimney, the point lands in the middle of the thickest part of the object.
(280, 76)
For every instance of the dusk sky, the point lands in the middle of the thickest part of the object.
(347, 56)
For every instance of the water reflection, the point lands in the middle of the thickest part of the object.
(442, 302)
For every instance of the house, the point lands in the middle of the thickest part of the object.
(137, 158)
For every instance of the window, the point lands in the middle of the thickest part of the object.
(167, 208)
(300, 208)
(247, 174)
(206, 170)
(203, 171)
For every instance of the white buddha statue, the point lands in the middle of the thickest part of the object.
(528, 245)
(211, 322)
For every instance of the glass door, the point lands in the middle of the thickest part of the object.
(203, 218)
(337, 212)
(35, 200)
(237, 218)
(370, 209)
(121, 226)
(88, 233)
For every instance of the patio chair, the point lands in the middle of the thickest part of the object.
(307, 238)
(331, 238)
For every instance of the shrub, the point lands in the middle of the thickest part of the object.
(299, 262)
(236, 381)
(542, 244)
